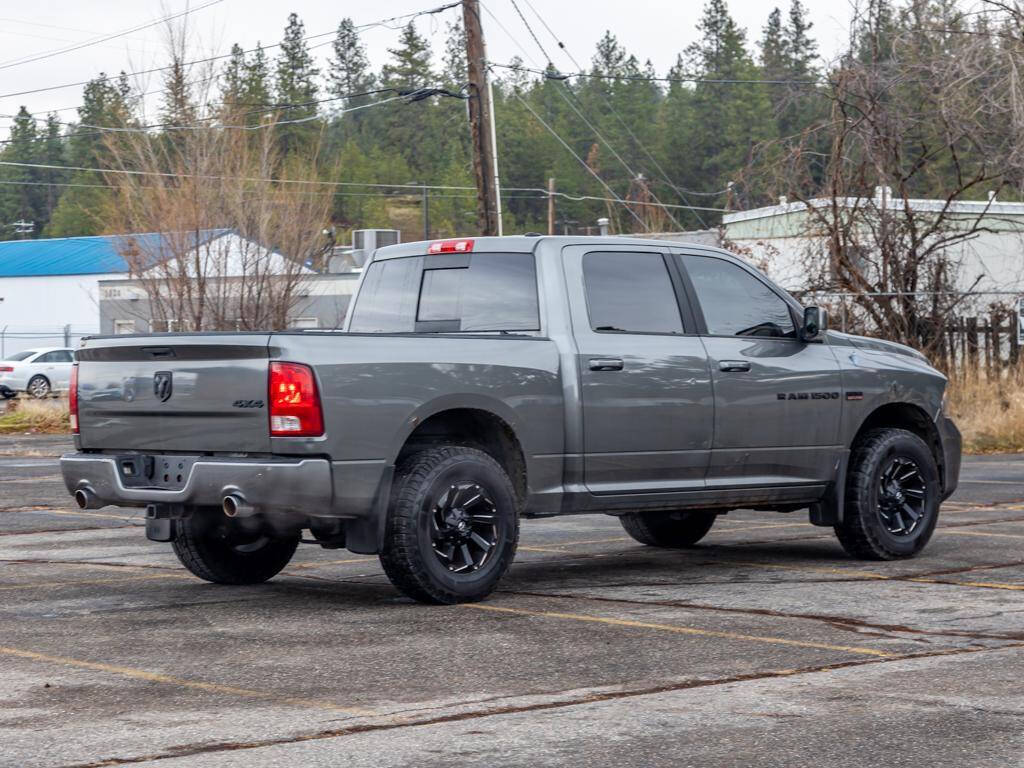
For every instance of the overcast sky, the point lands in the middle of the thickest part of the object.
(654, 29)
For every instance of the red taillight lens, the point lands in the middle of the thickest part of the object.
(73, 398)
(450, 246)
(294, 401)
(6, 369)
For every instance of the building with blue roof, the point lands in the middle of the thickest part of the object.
(49, 288)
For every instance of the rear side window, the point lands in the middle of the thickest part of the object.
(387, 298)
(477, 292)
(735, 303)
(630, 293)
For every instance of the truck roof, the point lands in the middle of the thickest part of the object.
(529, 243)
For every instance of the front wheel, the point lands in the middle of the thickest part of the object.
(892, 496)
(38, 386)
(673, 530)
(452, 528)
(223, 550)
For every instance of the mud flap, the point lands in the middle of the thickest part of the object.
(365, 535)
(829, 511)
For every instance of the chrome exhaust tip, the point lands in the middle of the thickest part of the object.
(235, 506)
(86, 499)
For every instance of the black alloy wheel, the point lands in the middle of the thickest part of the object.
(893, 492)
(902, 495)
(453, 525)
(464, 529)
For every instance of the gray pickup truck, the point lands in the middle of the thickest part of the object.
(477, 382)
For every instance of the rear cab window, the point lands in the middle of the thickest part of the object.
(449, 293)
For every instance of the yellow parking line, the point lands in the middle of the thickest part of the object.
(323, 563)
(157, 677)
(680, 630)
(542, 549)
(981, 584)
(126, 518)
(88, 582)
(958, 532)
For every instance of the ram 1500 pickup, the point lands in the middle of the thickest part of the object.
(479, 382)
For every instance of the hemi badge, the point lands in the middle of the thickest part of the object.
(854, 395)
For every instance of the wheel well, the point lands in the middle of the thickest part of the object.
(911, 418)
(478, 429)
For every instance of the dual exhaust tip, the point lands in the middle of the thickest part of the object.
(233, 504)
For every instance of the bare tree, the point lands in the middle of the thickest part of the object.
(923, 105)
(196, 181)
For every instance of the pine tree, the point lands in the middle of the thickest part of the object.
(51, 152)
(232, 90)
(80, 209)
(349, 69)
(20, 198)
(179, 106)
(802, 49)
(295, 87)
(410, 66)
(775, 58)
(256, 95)
(730, 118)
(411, 128)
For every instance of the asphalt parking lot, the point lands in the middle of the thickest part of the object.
(764, 646)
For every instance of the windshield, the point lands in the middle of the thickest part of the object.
(20, 355)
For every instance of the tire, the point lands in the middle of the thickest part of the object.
(673, 530)
(218, 549)
(892, 477)
(39, 386)
(445, 502)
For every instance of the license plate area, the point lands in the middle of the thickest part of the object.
(165, 472)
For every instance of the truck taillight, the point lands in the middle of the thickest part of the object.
(73, 398)
(294, 401)
(450, 246)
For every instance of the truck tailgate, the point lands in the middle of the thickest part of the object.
(196, 393)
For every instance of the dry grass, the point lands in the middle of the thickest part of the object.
(35, 416)
(990, 413)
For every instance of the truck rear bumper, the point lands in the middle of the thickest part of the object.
(302, 486)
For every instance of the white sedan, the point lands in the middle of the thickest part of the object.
(39, 372)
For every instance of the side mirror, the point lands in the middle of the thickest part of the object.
(815, 324)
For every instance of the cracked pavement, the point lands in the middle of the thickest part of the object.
(764, 646)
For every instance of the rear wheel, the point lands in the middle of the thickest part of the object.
(892, 496)
(453, 526)
(225, 551)
(668, 529)
(38, 386)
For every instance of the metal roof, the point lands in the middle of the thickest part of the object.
(98, 255)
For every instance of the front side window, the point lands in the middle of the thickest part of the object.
(488, 292)
(630, 293)
(735, 303)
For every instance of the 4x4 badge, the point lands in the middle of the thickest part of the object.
(163, 385)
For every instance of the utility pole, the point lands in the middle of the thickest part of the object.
(551, 206)
(481, 123)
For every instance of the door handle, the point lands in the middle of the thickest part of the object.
(605, 364)
(734, 366)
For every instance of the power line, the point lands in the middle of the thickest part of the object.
(530, 30)
(403, 94)
(675, 187)
(97, 41)
(581, 161)
(591, 126)
(317, 182)
(649, 78)
(382, 22)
